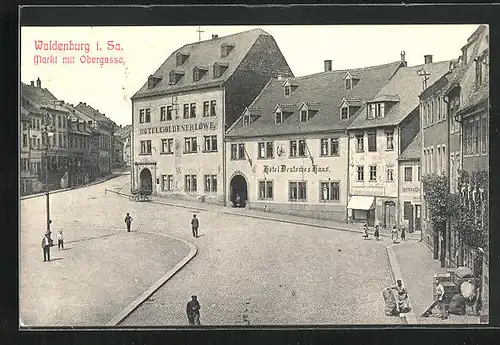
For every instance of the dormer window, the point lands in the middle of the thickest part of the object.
(278, 117)
(153, 81)
(198, 73)
(288, 90)
(304, 115)
(181, 58)
(175, 76)
(219, 69)
(289, 87)
(376, 110)
(246, 120)
(344, 112)
(350, 80)
(225, 49)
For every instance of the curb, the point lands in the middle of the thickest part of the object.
(67, 189)
(193, 250)
(296, 222)
(410, 317)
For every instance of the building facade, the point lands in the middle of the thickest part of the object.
(180, 115)
(288, 152)
(387, 125)
(409, 189)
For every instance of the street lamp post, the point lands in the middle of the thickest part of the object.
(48, 134)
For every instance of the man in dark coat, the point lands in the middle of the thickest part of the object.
(195, 224)
(193, 311)
(128, 221)
(46, 247)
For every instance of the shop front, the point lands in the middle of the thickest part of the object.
(361, 209)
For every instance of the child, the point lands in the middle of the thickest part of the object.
(60, 240)
(365, 235)
(394, 233)
(403, 233)
(377, 232)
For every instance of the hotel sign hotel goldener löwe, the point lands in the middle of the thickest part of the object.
(201, 126)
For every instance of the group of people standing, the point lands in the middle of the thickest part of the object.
(396, 232)
(47, 243)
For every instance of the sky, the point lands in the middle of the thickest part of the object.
(108, 88)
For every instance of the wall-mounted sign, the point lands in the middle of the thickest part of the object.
(411, 189)
(294, 168)
(202, 126)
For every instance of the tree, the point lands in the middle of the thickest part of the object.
(441, 205)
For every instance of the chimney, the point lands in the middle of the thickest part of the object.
(328, 65)
(428, 59)
(32, 83)
(215, 36)
(403, 58)
(39, 83)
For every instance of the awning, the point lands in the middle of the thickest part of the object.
(360, 202)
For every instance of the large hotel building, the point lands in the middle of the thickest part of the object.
(181, 113)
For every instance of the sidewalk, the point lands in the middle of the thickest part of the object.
(328, 224)
(417, 268)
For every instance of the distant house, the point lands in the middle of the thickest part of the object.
(182, 111)
(388, 123)
(288, 151)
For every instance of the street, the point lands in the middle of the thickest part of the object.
(247, 271)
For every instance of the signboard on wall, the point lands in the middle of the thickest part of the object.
(283, 168)
(193, 127)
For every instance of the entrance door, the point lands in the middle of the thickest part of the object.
(389, 214)
(146, 181)
(238, 187)
(418, 210)
(411, 225)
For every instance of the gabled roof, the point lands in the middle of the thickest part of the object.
(351, 102)
(326, 88)
(93, 113)
(407, 85)
(412, 151)
(37, 97)
(123, 131)
(204, 53)
(386, 98)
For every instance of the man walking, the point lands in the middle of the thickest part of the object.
(128, 221)
(193, 311)
(46, 247)
(195, 224)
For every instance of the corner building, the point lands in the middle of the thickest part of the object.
(180, 115)
(288, 152)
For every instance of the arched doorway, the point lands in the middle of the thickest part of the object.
(146, 180)
(238, 187)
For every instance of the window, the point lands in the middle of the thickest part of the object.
(443, 160)
(408, 174)
(206, 109)
(372, 141)
(344, 113)
(380, 110)
(484, 137)
(59, 141)
(330, 191)
(141, 116)
(479, 71)
(329, 147)
(438, 161)
(218, 70)
(246, 120)
(418, 174)
(373, 173)
(145, 147)
(287, 90)
(181, 58)
(148, 115)
(298, 190)
(225, 49)
(407, 209)
(389, 135)
(438, 109)
(167, 146)
(186, 111)
(266, 189)
(211, 143)
(348, 84)
(293, 148)
(265, 150)
(302, 148)
(278, 117)
(390, 173)
(212, 108)
(58, 121)
(198, 73)
(167, 183)
(38, 124)
(238, 151)
(190, 145)
(359, 143)
(375, 110)
(169, 113)
(193, 110)
(361, 173)
(303, 116)
(477, 134)
(190, 183)
(210, 183)
(25, 140)
(162, 113)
